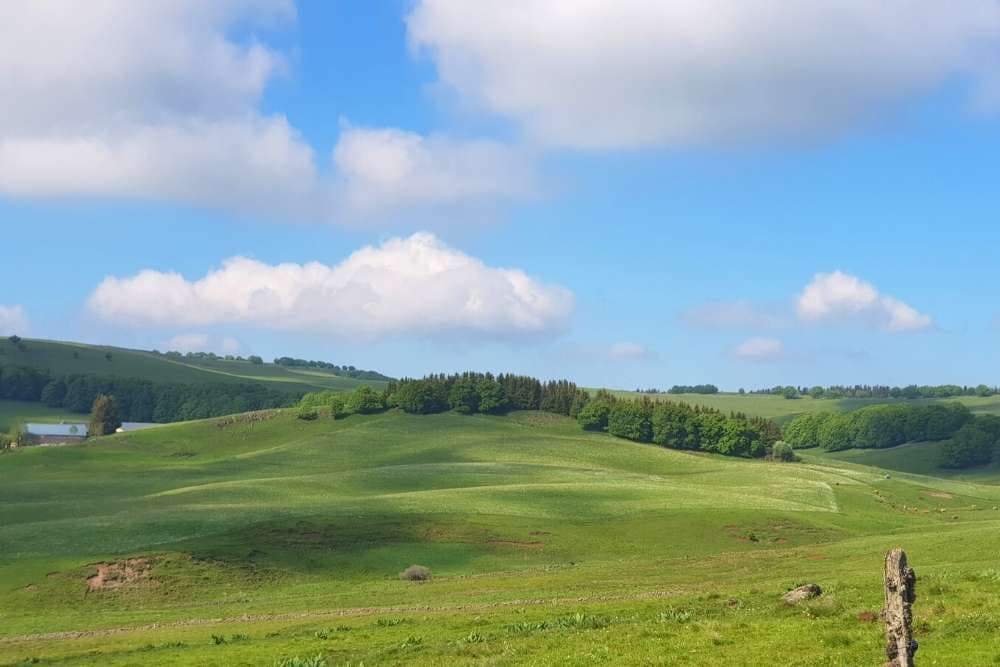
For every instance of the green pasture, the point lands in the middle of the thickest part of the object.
(783, 409)
(255, 542)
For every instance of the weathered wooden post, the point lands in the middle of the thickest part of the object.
(900, 592)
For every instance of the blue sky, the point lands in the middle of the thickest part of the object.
(614, 194)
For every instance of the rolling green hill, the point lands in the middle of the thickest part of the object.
(245, 542)
(68, 358)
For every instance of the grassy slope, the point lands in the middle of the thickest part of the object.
(782, 409)
(58, 358)
(549, 546)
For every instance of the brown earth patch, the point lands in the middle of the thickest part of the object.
(539, 532)
(868, 616)
(31, 588)
(118, 574)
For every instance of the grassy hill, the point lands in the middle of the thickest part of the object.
(247, 542)
(782, 409)
(68, 358)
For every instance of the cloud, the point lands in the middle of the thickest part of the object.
(13, 320)
(406, 286)
(639, 73)
(725, 315)
(760, 349)
(388, 169)
(627, 350)
(187, 343)
(161, 100)
(839, 297)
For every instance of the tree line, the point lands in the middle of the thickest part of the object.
(877, 426)
(346, 371)
(912, 391)
(137, 400)
(975, 444)
(466, 393)
(669, 424)
(680, 426)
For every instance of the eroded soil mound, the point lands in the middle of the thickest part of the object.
(118, 574)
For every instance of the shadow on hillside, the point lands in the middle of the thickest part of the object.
(362, 545)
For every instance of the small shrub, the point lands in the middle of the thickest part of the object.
(389, 622)
(416, 573)
(782, 451)
(338, 407)
(672, 615)
(315, 661)
(411, 642)
(308, 414)
(219, 640)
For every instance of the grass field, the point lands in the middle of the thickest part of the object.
(782, 409)
(14, 412)
(247, 544)
(69, 358)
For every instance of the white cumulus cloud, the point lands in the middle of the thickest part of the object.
(162, 100)
(594, 74)
(411, 286)
(760, 349)
(837, 296)
(13, 320)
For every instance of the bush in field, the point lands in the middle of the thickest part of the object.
(416, 573)
(365, 401)
(308, 414)
(338, 407)
(782, 451)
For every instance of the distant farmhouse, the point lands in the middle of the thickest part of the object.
(55, 434)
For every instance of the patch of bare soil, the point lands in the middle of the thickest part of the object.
(121, 573)
(940, 494)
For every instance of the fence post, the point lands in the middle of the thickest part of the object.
(900, 592)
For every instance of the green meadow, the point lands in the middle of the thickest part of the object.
(62, 358)
(782, 409)
(249, 543)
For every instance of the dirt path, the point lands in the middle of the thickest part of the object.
(335, 613)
